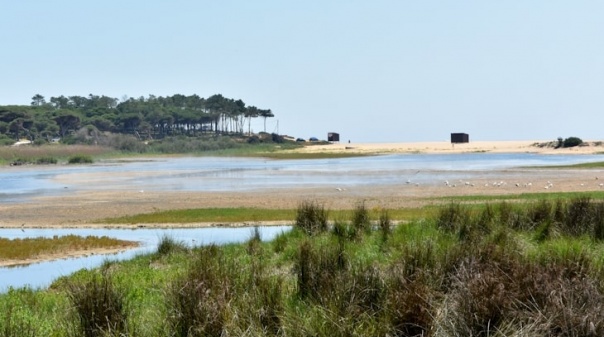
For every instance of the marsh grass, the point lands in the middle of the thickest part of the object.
(214, 215)
(522, 197)
(252, 215)
(80, 159)
(360, 218)
(481, 270)
(198, 302)
(168, 245)
(311, 217)
(21, 249)
(99, 307)
(32, 154)
(12, 324)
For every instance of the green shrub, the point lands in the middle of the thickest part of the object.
(14, 325)
(168, 245)
(572, 142)
(99, 307)
(311, 217)
(360, 218)
(197, 302)
(46, 160)
(317, 271)
(80, 159)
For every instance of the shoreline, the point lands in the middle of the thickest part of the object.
(443, 147)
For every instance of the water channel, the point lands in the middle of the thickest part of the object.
(42, 274)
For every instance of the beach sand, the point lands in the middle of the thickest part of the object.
(534, 146)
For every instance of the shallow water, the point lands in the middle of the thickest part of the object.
(241, 174)
(42, 274)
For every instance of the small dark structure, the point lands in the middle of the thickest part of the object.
(333, 137)
(460, 138)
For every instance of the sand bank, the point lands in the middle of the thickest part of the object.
(534, 146)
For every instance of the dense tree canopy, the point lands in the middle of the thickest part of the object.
(150, 117)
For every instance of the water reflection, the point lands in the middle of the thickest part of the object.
(42, 274)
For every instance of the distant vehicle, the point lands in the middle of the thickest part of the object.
(300, 140)
(313, 139)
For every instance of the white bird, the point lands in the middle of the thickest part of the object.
(23, 230)
(338, 189)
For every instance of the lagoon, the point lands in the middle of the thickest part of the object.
(217, 174)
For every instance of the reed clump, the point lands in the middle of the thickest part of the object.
(311, 217)
(80, 159)
(198, 302)
(99, 307)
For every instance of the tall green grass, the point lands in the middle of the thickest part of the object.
(465, 271)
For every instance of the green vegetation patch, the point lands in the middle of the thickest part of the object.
(523, 196)
(249, 215)
(220, 215)
(80, 159)
(21, 249)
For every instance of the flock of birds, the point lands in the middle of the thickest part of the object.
(501, 183)
(547, 186)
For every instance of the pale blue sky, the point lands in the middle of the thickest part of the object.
(374, 71)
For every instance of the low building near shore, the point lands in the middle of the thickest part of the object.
(460, 138)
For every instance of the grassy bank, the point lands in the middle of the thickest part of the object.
(50, 154)
(521, 269)
(523, 196)
(57, 153)
(250, 215)
(22, 249)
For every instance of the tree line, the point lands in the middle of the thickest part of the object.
(151, 117)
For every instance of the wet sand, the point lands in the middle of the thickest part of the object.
(532, 146)
(89, 208)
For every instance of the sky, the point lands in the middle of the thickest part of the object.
(373, 71)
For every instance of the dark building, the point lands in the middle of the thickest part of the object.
(333, 137)
(460, 138)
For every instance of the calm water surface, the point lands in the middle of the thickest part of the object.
(241, 174)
